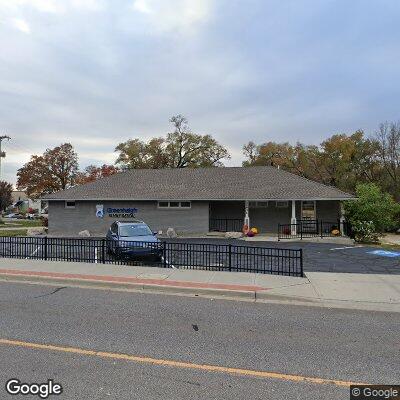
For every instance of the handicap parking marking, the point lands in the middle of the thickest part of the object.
(385, 253)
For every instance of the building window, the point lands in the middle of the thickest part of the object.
(69, 204)
(282, 204)
(174, 204)
(258, 204)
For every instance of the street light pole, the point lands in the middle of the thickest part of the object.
(2, 153)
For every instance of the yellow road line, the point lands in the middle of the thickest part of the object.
(179, 364)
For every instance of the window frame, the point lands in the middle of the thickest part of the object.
(282, 204)
(69, 207)
(178, 207)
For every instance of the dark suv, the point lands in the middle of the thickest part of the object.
(133, 239)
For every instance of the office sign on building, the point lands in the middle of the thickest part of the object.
(125, 212)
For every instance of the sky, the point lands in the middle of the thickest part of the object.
(98, 72)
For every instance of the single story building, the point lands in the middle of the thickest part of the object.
(22, 203)
(194, 200)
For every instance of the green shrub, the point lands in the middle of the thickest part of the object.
(372, 207)
(365, 232)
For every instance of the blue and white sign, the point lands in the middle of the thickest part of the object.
(124, 212)
(385, 253)
(99, 211)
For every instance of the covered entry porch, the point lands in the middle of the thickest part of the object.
(266, 215)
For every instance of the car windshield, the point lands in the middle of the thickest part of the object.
(134, 230)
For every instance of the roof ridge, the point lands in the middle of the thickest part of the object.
(229, 183)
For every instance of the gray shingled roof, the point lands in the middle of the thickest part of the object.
(230, 183)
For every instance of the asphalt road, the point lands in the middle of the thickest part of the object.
(301, 341)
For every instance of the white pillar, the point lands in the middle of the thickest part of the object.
(342, 219)
(293, 220)
(246, 214)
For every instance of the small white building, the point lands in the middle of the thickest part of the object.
(23, 203)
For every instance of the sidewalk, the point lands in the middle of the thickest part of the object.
(338, 290)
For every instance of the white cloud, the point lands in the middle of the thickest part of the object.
(52, 6)
(142, 6)
(21, 25)
(174, 15)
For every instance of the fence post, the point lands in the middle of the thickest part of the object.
(165, 253)
(301, 262)
(103, 250)
(45, 247)
(322, 233)
(301, 230)
(230, 257)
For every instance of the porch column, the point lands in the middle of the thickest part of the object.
(293, 221)
(342, 219)
(246, 214)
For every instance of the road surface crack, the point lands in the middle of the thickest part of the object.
(49, 294)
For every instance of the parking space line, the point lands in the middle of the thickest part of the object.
(346, 247)
(33, 253)
(181, 364)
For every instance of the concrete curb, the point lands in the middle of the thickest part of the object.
(259, 296)
(137, 287)
(264, 297)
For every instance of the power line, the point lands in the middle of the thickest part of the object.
(2, 153)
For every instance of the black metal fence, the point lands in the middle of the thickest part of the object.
(226, 225)
(216, 257)
(312, 228)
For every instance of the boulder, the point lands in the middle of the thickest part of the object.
(84, 233)
(171, 233)
(36, 231)
(233, 235)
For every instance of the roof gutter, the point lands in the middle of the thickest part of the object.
(275, 199)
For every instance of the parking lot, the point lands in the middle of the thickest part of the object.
(327, 257)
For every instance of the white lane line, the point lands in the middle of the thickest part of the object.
(33, 253)
(347, 247)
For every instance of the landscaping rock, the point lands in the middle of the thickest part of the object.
(233, 235)
(171, 233)
(84, 233)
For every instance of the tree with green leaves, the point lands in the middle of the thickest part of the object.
(341, 160)
(372, 207)
(181, 148)
(388, 141)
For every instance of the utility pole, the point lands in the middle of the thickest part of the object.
(2, 153)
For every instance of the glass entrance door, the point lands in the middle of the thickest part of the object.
(308, 216)
(308, 211)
